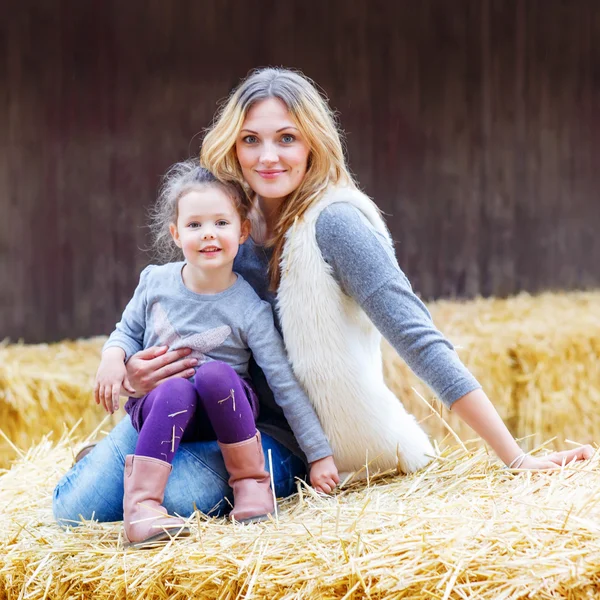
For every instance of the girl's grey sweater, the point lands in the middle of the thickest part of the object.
(367, 270)
(228, 326)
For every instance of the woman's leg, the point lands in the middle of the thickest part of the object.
(93, 488)
(199, 476)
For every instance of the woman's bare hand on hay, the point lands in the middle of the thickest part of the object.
(477, 411)
(557, 459)
(110, 378)
(324, 475)
(150, 367)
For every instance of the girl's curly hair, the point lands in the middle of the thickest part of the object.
(181, 178)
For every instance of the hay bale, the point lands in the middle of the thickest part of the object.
(462, 528)
(536, 357)
(44, 388)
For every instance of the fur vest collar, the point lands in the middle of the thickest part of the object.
(335, 351)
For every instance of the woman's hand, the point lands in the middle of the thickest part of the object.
(476, 410)
(324, 475)
(150, 367)
(110, 377)
(557, 459)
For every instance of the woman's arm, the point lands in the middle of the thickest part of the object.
(366, 268)
(477, 411)
(364, 264)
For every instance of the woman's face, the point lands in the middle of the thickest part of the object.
(271, 151)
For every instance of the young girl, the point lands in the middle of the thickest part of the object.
(203, 305)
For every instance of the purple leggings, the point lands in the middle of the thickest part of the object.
(218, 404)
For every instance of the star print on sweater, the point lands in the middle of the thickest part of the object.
(200, 343)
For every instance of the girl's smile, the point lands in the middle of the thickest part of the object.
(209, 231)
(210, 250)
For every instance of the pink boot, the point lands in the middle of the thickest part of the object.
(252, 496)
(145, 520)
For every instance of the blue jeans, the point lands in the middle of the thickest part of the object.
(93, 488)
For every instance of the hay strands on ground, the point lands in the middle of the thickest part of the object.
(464, 527)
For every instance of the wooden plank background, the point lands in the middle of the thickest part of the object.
(473, 123)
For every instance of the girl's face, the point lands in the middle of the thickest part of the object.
(209, 229)
(271, 151)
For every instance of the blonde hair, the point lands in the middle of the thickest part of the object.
(180, 179)
(315, 120)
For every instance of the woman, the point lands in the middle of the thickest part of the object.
(318, 245)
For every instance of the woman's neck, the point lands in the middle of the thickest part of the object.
(269, 208)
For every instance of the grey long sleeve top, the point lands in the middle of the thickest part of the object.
(367, 270)
(227, 326)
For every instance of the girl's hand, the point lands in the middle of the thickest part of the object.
(324, 475)
(111, 376)
(148, 368)
(556, 459)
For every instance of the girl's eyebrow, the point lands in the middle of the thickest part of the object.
(199, 217)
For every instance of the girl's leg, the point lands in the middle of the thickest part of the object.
(232, 412)
(230, 404)
(165, 414)
(93, 488)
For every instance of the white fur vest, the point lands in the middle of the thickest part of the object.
(335, 351)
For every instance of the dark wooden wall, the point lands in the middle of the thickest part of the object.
(473, 123)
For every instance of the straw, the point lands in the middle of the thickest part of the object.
(463, 528)
(47, 387)
(536, 357)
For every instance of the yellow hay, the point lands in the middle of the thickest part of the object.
(537, 358)
(46, 387)
(462, 528)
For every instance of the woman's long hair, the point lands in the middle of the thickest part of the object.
(315, 120)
